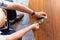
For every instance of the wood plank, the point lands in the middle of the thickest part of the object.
(50, 29)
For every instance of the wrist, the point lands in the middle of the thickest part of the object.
(33, 13)
(31, 27)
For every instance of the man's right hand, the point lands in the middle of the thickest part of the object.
(35, 26)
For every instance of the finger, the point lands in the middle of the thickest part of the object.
(37, 23)
(37, 27)
(45, 17)
(44, 13)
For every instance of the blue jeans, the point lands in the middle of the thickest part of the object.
(7, 31)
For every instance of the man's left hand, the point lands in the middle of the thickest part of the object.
(41, 15)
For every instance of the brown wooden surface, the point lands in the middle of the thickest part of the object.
(50, 29)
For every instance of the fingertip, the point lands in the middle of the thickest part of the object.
(38, 27)
(37, 23)
(46, 17)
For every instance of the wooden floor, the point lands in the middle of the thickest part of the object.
(50, 29)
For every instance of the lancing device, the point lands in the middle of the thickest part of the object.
(41, 20)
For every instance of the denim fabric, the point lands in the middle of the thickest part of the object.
(6, 32)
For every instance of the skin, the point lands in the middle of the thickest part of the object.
(2, 18)
(19, 7)
(17, 35)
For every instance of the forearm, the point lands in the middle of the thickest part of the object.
(20, 7)
(17, 35)
(15, 6)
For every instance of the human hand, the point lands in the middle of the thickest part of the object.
(35, 26)
(41, 15)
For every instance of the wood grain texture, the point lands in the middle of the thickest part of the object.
(50, 29)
